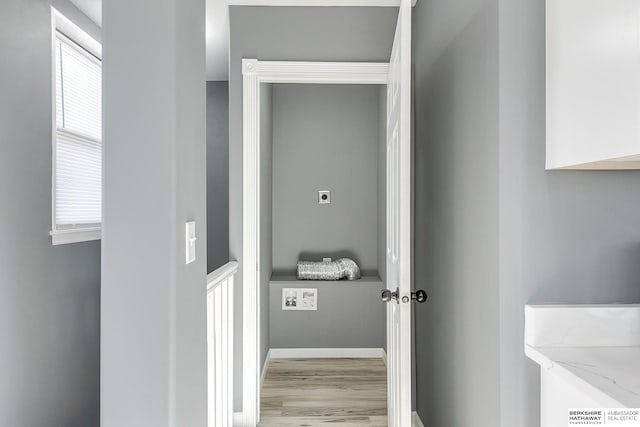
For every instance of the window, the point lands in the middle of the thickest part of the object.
(77, 141)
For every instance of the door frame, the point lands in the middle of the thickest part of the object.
(254, 73)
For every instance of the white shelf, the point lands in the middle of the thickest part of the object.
(294, 281)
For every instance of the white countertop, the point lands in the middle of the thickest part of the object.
(603, 372)
(595, 347)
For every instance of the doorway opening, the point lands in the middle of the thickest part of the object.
(322, 205)
(261, 253)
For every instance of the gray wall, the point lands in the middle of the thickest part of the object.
(325, 137)
(291, 33)
(217, 174)
(49, 295)
(496, 230)
(345, 317)
(456, 212)
(565, 236)
(266, 216)
(153, 348)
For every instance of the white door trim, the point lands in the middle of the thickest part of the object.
(335, 3)
(255, 72)
(315, 72)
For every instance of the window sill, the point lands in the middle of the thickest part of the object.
(62, 237)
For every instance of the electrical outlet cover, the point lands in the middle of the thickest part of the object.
(324, 197)
(300, 299)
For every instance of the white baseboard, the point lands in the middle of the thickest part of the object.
(314, 353)
(384, 357)
(238, 419)
(416, 421)
(265, 367)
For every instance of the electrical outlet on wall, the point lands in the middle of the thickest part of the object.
(324, 197)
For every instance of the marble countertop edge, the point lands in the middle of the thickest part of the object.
(596, 381)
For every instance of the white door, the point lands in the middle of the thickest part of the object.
(399, 223)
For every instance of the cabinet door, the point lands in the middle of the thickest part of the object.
(593, 84)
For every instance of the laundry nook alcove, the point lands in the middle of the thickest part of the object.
(322, 173)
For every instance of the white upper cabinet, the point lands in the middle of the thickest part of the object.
(593, 84)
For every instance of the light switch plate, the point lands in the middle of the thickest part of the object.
(190, 241)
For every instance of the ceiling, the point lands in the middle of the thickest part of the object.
(91, 8)
(217, 24)
(217, 33)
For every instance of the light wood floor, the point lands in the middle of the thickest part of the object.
(318, 392)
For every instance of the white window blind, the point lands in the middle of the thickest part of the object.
(78, 140)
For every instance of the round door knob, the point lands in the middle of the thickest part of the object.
(419, 296)
(388, 295)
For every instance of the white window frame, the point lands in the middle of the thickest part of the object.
(61, 24)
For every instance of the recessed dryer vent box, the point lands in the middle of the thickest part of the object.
(300, 298)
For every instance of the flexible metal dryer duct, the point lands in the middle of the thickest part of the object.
(344, 268)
